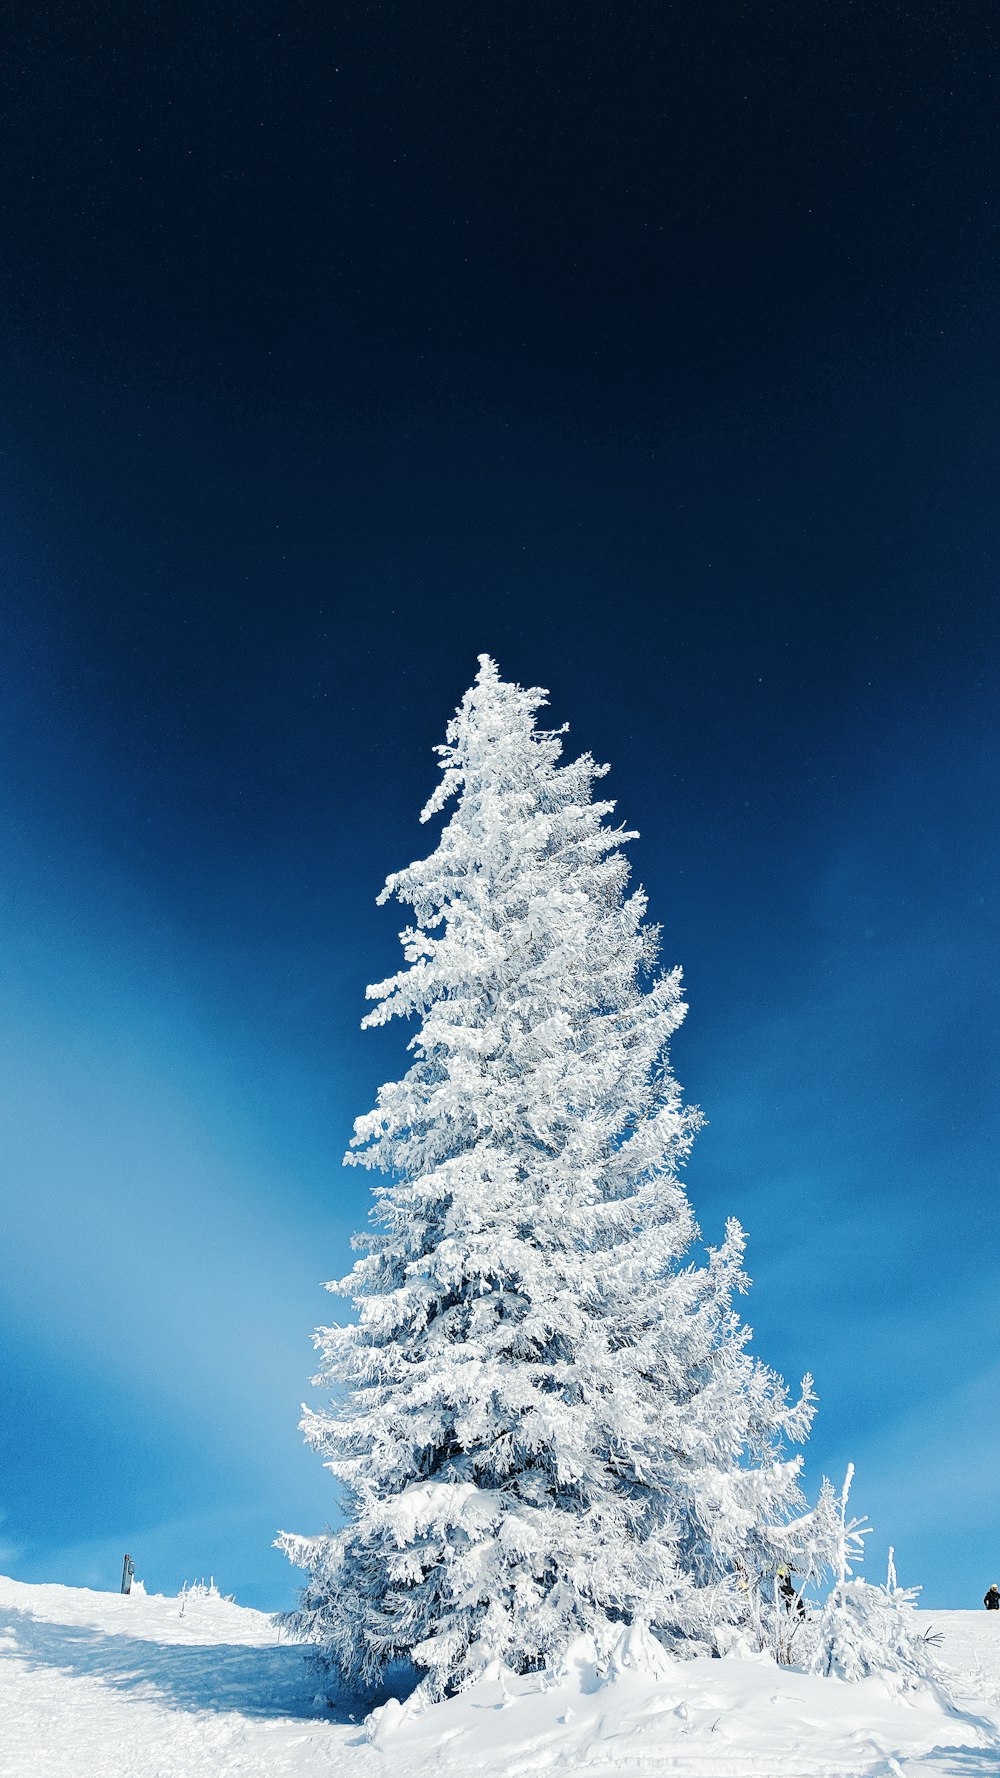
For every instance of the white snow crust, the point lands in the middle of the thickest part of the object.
(94, 1684)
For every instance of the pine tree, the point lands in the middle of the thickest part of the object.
(546, 1422)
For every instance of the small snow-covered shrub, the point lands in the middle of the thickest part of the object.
(866, 1629)
(863, 1629)
(200, 1589)
(195, 1590)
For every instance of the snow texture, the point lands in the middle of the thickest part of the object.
(93, 1684)
(545, 1421)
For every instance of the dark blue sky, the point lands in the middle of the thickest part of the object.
(654, 350)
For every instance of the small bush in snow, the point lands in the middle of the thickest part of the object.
(201, 1589)
(865, 1629)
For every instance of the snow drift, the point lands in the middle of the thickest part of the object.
(94, 1683)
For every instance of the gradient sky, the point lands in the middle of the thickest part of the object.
(654, 350)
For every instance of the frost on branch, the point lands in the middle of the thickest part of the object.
(546, 1422)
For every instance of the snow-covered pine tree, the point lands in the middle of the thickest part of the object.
(545, 1419)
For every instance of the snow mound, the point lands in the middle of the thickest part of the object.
(95, 1683)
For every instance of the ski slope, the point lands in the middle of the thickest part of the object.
(95, 1684)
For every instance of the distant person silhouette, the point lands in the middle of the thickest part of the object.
(992, 1598)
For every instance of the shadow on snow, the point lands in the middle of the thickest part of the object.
(269, 1681)
(955, 1762)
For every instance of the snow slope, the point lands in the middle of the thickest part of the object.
(94, 1684)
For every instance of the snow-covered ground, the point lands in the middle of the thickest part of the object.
(94, 1685)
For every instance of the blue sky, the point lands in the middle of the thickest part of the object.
(657, 357)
